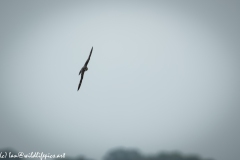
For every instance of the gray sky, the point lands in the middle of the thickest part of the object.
(163, 76)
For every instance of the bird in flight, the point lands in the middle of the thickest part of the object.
(84, 68)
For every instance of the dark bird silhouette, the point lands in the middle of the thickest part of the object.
(84, 68)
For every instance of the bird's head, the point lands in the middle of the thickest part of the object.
(86, 69)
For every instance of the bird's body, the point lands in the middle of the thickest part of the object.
(84, 68)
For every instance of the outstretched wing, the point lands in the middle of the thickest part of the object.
(86, 63)
(81, 80)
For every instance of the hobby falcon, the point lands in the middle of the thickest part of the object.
(84, 68)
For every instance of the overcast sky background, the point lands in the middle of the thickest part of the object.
(163, 76)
